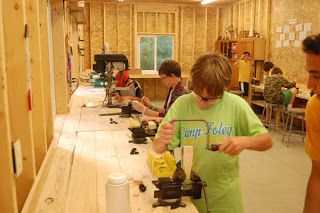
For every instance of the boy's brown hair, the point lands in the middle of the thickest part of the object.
(169, 67)
(267, 66)
(276, 70)
(211, 73)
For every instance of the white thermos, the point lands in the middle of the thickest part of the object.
(117, 194)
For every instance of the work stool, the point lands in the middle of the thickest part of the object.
(275, 110)
(236, 92)
(294, 113)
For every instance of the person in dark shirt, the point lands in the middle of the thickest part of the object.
(170, 74)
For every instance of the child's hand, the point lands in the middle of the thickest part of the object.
(138, 106)
(145, 101)
(233, 145)
(165, 133)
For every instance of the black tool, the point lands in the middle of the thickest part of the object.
(140, 133)
(171, 190)
(126, 111)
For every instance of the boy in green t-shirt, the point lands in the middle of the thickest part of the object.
(232, 123)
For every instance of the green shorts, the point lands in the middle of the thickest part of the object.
(287, 96)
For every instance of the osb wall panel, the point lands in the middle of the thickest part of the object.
(211, 28)
(86, 31)
(124, 30)
(225, 20)
(187, 38)
(248, 16)
(161, 90)
(235, 14)
(150, 22)
(140, 22)
(291, 59)
(96, 32)
(111, 27)
(200, 31)
(163, 23)
(171, 23)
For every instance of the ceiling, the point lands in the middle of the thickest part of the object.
(215, 3)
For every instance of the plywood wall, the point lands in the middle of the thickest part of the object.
(291, 59)
(120, 24)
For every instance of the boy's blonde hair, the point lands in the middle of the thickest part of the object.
(211, 73)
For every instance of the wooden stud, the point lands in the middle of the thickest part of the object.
(8, 198)
(38, 113)
(18, 87)
(176, 38)
(217, 23)
(118, 28)
(206, 28)
(130, 32)
(268, 23)
(193, 32)
(259, 15)
(135, 34)
(46, 68)
(59, 58)
(181, 33)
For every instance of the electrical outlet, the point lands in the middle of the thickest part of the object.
(17, 158)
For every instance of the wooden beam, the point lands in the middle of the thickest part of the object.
(46, 68)
(8, 199)
(19, 86)
(59, 58)
(268, 23)
(38, 113)
(181, 33)
(135, 35)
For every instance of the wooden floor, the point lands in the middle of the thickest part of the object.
(86, 149)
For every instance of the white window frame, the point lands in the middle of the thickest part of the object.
(154, 71)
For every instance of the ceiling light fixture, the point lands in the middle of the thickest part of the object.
(203, 2)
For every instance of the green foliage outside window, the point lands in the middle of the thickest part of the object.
(163, 50)
(146, 53)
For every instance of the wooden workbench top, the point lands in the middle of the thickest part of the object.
(86, 149)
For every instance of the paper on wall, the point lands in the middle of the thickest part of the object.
(297, 43)
(292, 36)
(286, 43)
(307, 27)
(279, 29)
(298, 27)
(278, 43)
(293, 21)
(282, 36)
(302, 35)
(286, 29)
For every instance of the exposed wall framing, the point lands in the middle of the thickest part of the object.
(38, 113)
(8, 199)
(18, 87)
(46, 68)
(59, 57)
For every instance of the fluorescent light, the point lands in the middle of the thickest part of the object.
(207, 1)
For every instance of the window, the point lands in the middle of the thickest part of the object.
(153, 50)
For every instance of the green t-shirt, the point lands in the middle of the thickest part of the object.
(230, 116)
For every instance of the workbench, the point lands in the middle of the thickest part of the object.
(86, 149)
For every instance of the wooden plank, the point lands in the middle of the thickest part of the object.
(38, 113)
(107, 162)
(8, 199)
(49, 193)
(46, 68)
(59, 58)
(18, 86)
(83, 171)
